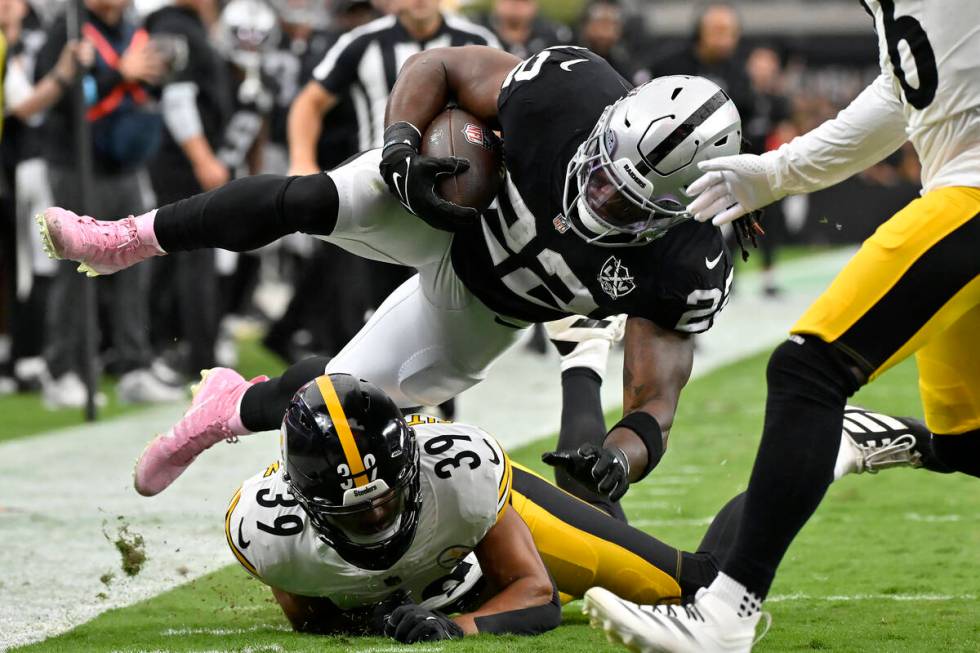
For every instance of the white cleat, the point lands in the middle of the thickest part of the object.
(873, 441)
(708, 625)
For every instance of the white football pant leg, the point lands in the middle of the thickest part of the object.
(372, 224)
(430, 340)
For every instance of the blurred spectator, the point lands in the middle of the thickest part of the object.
(305, 327)
(302, 26)
(125, 129)
(521, 30)
(25, 187)
(601, 30)
(246, 32)
(713, 53)
(198, 102)
(768, 127)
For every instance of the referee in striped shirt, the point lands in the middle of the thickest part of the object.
(365, 62)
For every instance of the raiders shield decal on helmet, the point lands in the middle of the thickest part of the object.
(615, 278)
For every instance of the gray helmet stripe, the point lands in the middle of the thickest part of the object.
(681, 132)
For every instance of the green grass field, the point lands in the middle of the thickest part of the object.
(847, 584)
(25, 414)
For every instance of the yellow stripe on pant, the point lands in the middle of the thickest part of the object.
(584, 547)
(906, 291)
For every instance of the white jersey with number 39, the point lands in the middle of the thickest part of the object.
(465, 486)
(930, 53)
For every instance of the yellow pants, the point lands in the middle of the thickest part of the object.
(584, 547)
(914, 288)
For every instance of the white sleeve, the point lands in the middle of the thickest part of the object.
(864, 133)
(179, 106)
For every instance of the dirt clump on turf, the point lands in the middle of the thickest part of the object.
(131, 547)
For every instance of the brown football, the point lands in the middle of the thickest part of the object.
(455, 132)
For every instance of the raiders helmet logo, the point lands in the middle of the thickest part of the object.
(615, 278)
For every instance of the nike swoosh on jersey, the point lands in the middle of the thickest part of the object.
(242, 544)
(713, 262)
(567, 65)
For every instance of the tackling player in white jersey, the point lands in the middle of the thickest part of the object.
(912, 288)
(377, 524)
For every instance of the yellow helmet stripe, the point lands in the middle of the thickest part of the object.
(347, 442)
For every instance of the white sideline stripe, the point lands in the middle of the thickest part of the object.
(177, 632)
(679, 521)
(407, 648)
(782, 598)
(937, 519)
(261, 648)
(57, 489)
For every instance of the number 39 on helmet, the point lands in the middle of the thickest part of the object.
(352, 463)
(626, 184)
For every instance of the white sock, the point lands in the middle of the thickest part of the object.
(735, 595)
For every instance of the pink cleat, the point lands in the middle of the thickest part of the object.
(101, 246)
(212, 417)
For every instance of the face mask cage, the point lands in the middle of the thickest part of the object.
(371, 534)
(621, 217)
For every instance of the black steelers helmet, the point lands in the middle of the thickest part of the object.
(353, 465)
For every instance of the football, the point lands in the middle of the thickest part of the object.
(457, 133)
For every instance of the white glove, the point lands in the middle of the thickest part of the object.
(732, 187)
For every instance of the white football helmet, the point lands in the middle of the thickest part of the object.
(247, 30)
(631, 174)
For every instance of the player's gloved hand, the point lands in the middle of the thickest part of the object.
(732, 187)
(412, 177)
(381, 610)
(604, 469)
(410, 624)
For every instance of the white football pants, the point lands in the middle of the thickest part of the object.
(431, 338)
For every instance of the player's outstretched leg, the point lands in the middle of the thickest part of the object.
(240, 216)
(100, 246)
(225, 406)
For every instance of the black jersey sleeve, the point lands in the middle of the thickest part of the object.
(556, 82)
(694, 279)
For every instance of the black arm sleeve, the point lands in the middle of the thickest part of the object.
(249, 213)
(526, 621)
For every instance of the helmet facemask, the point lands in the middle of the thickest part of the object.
(375, 524)
(619, 198)
(352, 463)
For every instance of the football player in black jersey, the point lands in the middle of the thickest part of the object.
(591, 220)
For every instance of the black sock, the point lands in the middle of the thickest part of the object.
(720, 535)
(265, 404)
(808, 385)
(248, 213)
(959, 452)
(582, 422)
(697, 570)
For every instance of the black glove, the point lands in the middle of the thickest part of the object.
(380, 611)
(410, 624)
(605, 470)
(412, 178)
